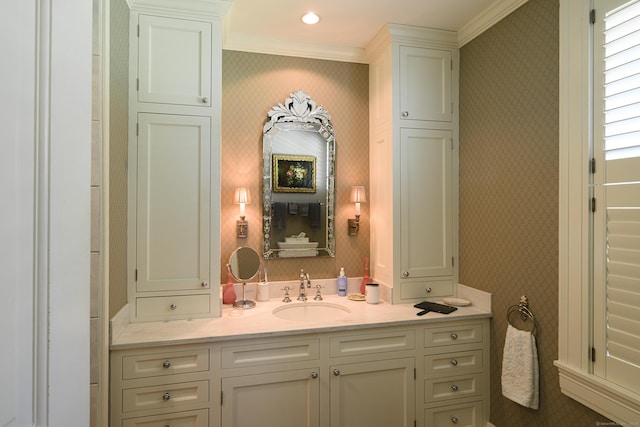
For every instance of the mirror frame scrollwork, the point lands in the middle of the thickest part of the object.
(299, 112)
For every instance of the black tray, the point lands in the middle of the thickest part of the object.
(428, 306)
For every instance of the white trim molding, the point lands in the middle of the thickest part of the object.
(575, 370)
(487, 19)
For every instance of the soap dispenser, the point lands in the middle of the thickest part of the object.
(342, 283)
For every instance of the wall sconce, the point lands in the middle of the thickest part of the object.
(242, 197)
(357, 196)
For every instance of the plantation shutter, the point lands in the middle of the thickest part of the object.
(616, 192)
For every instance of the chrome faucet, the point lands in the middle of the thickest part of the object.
(305, 282)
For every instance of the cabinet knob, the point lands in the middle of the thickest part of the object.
(204, 284)
(454, 387)
(405, 114)
(428, 290)
(173, 306)
(314, 374)
(405, 274)
(454, 420)
(205, 100)
(166, 396)
(167, 364)
(454, 336)
(336, 372)
(454, 362)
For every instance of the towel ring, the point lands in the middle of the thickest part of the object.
(520, 317)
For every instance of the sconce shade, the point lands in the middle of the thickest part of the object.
(242, 195)
(357, 194)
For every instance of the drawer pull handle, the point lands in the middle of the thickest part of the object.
(428, 290)
(166, 364)
(204, 284)
(405, 114)
(454, 387)
(454, 336)
(205, 100)
(454, 362)
(314, 374)
(405, 274)
(336, 372)
(166, 396)
(173, 306)
(454, 420)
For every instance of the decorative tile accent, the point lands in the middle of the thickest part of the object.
(509, 194)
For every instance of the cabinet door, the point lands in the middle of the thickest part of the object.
(173, 202)
(282, 399)
(425, 84)
(426, 227)
(373, 394)
(174, 61)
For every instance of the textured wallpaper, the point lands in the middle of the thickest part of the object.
(251, 85)
(509, 194)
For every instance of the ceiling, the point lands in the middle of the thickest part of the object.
(347, 26)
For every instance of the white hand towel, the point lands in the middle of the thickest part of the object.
(520, 371)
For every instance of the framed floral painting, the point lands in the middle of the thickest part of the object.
(294, 174)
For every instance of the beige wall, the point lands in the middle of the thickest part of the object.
(251, 85)
(509, 194)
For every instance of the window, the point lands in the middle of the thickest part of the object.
(616, 191)
(599, 265)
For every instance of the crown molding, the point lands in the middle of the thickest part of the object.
(286, 47)
(390, 32)
(218, 8)
(492, 15)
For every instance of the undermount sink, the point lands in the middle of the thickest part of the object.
(313, 311)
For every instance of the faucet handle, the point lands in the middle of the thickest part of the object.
(318, 296)
(286, 290)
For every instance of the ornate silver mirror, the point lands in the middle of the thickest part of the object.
(244, 264)
(298, 181)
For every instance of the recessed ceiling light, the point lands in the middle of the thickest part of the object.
(310, 18)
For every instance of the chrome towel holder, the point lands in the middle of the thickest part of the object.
(520, 316)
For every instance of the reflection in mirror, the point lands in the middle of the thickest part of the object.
(244, 265)
(298, 181)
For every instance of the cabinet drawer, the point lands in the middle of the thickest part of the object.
(162, 308)
(452, 335)
(270, 353)
(168, 363)
(424, 289)
(353, 345)
(453, 363)
(199, 418)
(165, 396)
(452, 387)
(462, 415)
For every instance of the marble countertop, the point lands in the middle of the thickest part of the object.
(261, 322)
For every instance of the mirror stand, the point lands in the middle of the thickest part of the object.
(244, 303)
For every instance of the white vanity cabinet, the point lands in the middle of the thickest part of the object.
(173, 237)
(372, 379)
(454, 374)
(402, 376)
(163, 386)
(413, 75)
(271, 382)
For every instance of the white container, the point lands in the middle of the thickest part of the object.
(372, 294)
(263, 291)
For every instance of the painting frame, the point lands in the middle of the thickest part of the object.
(294, 173)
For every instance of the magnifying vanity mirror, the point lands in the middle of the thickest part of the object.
(244, 264)
(298, 182)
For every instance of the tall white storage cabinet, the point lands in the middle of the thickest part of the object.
(413, 77)
(174, 159)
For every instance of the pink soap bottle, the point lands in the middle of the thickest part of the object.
(365, 278)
